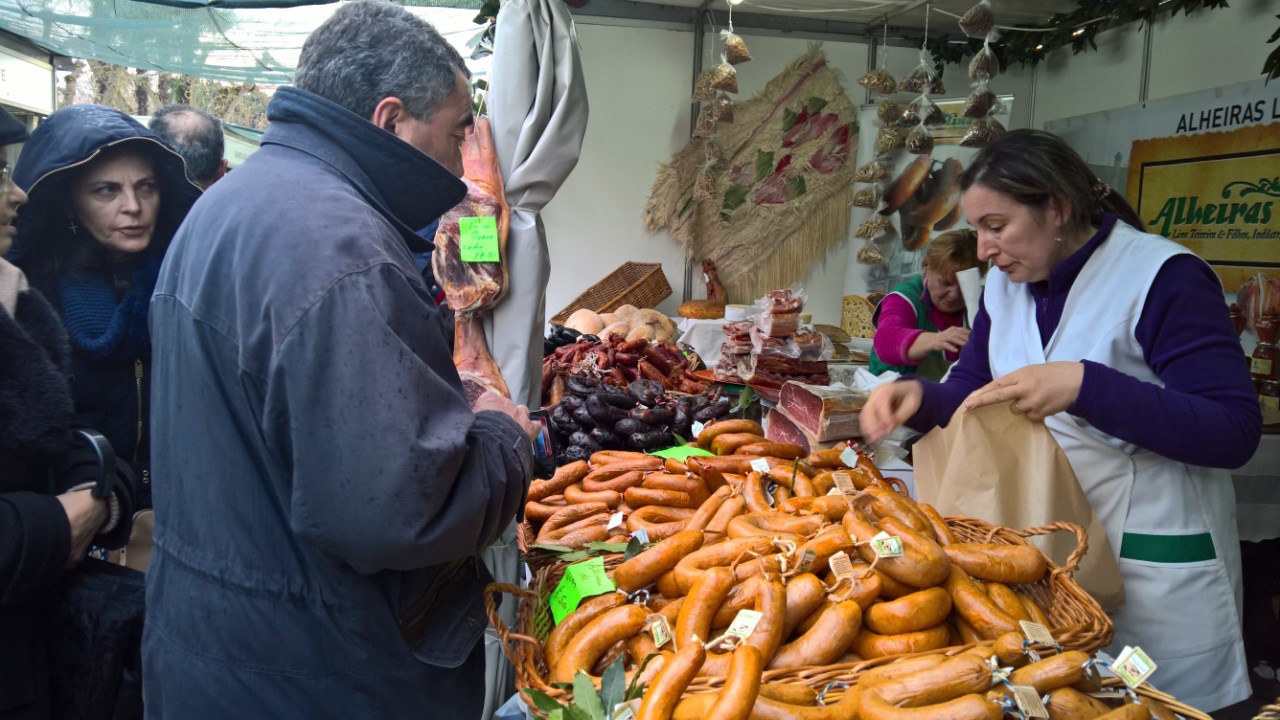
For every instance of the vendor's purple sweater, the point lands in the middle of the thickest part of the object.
(1207, 413)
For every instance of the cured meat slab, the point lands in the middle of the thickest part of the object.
(824, 413)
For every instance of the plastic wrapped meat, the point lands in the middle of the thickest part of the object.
(826, 413)
(779, 324)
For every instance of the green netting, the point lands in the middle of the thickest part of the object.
(231, 40)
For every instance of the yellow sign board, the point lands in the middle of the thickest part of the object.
(1216, 193)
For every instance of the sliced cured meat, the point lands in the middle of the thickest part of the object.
(824, 413)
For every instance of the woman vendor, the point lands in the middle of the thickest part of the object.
(1120, 341)
(921, 325)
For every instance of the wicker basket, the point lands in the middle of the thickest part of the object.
(1078, 621)
(1269, 712)
(633, 283)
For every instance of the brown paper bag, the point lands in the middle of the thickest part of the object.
(996, 465)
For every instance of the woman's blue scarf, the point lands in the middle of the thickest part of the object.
(97, 324)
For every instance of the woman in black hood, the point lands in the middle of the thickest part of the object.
(105, 197)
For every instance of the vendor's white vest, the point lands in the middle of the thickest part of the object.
(1173, 525)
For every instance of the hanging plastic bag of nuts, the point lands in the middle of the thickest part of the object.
(983, 132)
(873, 227)
(923, 110)
(981, 102)
(735, 50)
(723, 105)
(888, 111)
(979, 21)
(874, 171)
(725, 78)
(871, 255)
(984, 65)
(919, 141)
(866, 198)
(888, 138)
(702, 90)
(922, 78)
(878, 81)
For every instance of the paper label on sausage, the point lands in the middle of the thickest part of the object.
(760, 465)
(624, 711)
(660, 630)
(806, 561)
(833, 491)
(1029, 701)
(615, 520)
(642, 535)
(886, 545)
(1110, 694)
(844, 483)
(581, 580)
(744, 623)
(698, 428)
(1133, 666)
(841, 565)
(1037, 633)
(849, 457)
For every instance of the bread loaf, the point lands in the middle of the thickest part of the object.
(702, 310)
(855, 317)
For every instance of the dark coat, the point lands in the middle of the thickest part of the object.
(111, 395)
(322, 467)
(35, 537)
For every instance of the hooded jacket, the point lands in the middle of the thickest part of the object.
(326, 483)
(111, 394)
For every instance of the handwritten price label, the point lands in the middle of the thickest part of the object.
(479, 239)
(761, 465)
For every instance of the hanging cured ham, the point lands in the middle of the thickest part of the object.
(472, 287)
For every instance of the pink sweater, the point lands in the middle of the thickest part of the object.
(898, 328)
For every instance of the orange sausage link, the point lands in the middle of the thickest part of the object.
(872, 645)
(618, 483)
(828, 459)
(1008, 564)
(578, 539)
(886, 503)
(689, 484)
(593, 640)
(782, 451)
(664, 692)
(917, 611)
(741, 687)
(1071, 704)
(540, 512)
(693, 565)
(826, 641)
(571, 514)
(638, 460)
(735, 464)
(1033, 609)
(923, 563)
(646, 566)
(898, 669)
(707, 510)
(732, 507)
(564, 476)
(589, 610)
(696, 707)
(728, 443)
(724, 427)
(1008, 600)
(960, 675)
(832, 507)
(1128, 712)
(805, 594)
(638, 497)
(965, 631)
(967, 707)
(941, 532)
(1158, 710)
(773, 524)
(673, 465)
(771, 601)
(1011, 650)
(577, 495)
(977, 609)
(700, 605)
(658, 521)
(753, 492)
(1052, 673)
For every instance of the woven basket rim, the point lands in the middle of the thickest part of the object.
(633, 282)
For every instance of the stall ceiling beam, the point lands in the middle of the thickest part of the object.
(653, 12)
(902, 10)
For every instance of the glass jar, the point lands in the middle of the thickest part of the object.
(1269, 395)
(1266, 357)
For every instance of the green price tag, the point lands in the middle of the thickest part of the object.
(479, 241)
(581, 580)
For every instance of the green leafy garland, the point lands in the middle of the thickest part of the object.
(1062, 30)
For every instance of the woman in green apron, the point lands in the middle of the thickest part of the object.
(921, 325)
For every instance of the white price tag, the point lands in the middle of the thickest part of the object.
(886, 545)
(833, 491)
(698, 428)
(849, 457)
(806, 561)
(642, 535)
(1037, 633)
(1029, 701)
(744, 623)
(844, 483)
(661, 631)
(1133, 666)
(706, 277)
(760, 465)
(615, 521)
(841, 565)
(624, 711)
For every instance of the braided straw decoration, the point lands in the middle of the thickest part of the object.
(1269, 712)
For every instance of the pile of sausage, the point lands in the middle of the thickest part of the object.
(725, 543)
(617, 362)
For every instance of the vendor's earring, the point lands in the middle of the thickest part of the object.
(73, 227)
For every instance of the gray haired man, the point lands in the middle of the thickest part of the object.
(197, 137)
(327, 488)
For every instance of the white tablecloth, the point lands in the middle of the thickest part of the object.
(704, 336)
(1258, 492)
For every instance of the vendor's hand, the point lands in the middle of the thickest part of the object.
(950, 340)
(889, 406)
(490, 400)
(1036, 390)
(86, 514)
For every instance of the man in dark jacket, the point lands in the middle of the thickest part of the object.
(327, 488)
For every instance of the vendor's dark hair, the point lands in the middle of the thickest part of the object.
(195, 135)
(1033, 166)
(370, 50)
